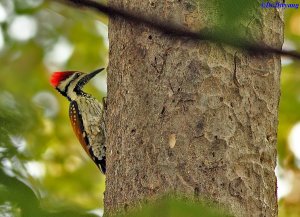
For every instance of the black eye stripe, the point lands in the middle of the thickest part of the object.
(73, 79)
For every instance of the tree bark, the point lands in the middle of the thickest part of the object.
(197, 118)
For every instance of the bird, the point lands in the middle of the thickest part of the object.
(87, 114)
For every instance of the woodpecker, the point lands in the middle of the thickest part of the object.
(87, 115)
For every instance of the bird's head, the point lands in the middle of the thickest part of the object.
(70, 83)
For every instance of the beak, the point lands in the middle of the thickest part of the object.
(88, 77)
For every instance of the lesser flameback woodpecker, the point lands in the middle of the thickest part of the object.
(87, 115)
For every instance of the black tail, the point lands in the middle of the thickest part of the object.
(102, 165)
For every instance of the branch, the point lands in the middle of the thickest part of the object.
(179, 31)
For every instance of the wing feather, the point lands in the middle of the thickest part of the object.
(78, 127)
(76, 121)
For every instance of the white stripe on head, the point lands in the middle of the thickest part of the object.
(67, 86)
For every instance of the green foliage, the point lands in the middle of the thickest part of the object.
(235, 11)
(16, 185)
(289, 108)
(170, 206)
(22, 201)
(231, 19)
(43, 169)
(289, 104)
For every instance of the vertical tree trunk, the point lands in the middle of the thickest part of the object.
(195, 118)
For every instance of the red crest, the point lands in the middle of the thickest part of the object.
(57, 77)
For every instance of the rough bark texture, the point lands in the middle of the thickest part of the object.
(195, 118)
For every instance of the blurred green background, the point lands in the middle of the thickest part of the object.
(43, 169)
(39, 152)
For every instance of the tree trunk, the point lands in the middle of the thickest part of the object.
(197, 118)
